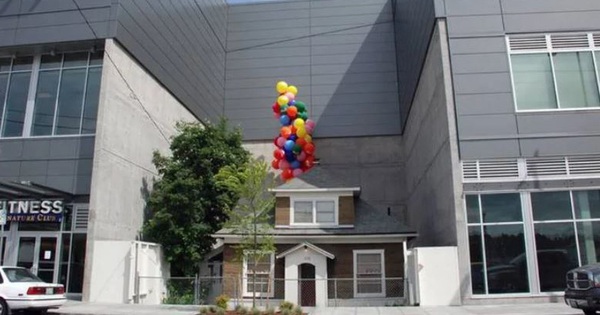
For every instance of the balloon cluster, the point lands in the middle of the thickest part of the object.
(295, 150)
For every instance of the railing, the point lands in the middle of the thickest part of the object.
(332, 292)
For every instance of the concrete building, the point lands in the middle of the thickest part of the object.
(475, 122)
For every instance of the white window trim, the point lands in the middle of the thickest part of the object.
(246, 279)
(314, 201)
(381, 252)
(550, 50)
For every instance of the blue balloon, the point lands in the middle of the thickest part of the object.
(293, 137)
(295, 164)
(284, 120)
(290, 158)
(289, 145)
(292, 102)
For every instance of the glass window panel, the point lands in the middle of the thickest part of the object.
(476, 253)
(96, 58)
(369, 286)
(473, 215)
(534, 85)
(588, 234)
(587, 204)
(325, 212)
(77, 263)
(45, 103)
(576, 80)
(70, 101)
(3, 86)
(22, 63)
(368, 264)
(51, 62)
(64, 259)
(5, 64)
(79, 59)
(551, 206)
(501, 208)
(506, 259)
(92, 95)
(556, 254)
(15, 105)
(303, 212)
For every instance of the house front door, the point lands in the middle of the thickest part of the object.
(307, 285)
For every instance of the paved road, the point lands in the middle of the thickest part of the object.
(78, 308)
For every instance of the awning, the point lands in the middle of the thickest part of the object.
(28, 190)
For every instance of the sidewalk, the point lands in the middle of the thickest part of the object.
(78, 308)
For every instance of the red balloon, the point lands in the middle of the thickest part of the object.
(275, 108)
(275, 164)
(287, 174)
(309, 148)
(309, 162)
(278, 154)
(301, 142)
(275, 141)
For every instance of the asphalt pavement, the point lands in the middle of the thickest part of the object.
(80, 308)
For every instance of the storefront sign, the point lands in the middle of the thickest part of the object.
(33, 210)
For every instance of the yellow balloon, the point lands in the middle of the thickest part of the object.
(282, 100)
(282, 86)
(299, 123)
(292, 89)
(307, 138)
(301, 133)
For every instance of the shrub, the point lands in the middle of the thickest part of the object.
(221, 301)
(204, 310)
(297, 310)
(269, 311)
(220, 311)
(285, 305)
(242, 310)
(255, 311)
(213, 309)
(286, 312)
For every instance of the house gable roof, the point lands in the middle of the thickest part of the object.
(318, 179)
(307, 245)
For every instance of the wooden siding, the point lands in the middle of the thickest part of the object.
(282, 210)
(346, 210)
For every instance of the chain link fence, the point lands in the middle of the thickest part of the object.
(332, 292)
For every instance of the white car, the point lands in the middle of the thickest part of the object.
(22, 290)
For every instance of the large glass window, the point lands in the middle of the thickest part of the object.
(314, 212)
(497, 244)
(258, 274)
(65, 94)
(369, 273)
(556, 80)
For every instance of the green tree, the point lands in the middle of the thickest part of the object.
(186, 205)
(250, 218)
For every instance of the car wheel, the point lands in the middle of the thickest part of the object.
(4, 310)
(589, 312)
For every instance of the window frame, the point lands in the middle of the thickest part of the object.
(355, 254)
(246, 278)
(28, 120)
(314, 201)
(550, 51)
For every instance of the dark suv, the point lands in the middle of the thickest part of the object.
(583, 288)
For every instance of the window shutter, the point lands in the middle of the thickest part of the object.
(81, 217)
(588, 165)
(570, 41)
(536, 42)
(546, 167)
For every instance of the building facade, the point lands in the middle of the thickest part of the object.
(473, 122)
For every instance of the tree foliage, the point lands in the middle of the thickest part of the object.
(186, 204)
(250, 219)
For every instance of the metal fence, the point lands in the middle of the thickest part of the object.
(332, 292)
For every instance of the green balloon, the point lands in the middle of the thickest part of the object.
(301, 106)
(297, 149)
(304, 116)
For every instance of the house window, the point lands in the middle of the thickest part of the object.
(316, 212)
(558, 71)
(63, 90)
(369, 273)
(258, 275)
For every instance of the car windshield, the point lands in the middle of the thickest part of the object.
(20, 275)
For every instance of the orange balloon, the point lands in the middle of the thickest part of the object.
(286, 131)
(309, 148)
(292, 111)
(301, 142)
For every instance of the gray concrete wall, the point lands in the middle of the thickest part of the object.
(63, 163)
(136, 115)
(413, 22)
(488, 125)
(373, 163)
(26, 22)
(431, 153)
(340, 53)
(182, 44)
